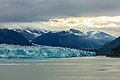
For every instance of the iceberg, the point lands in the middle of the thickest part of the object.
(16, 51)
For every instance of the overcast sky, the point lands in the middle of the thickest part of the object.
(37, 10)
(15, 13)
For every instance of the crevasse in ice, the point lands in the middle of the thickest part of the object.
(16, 51)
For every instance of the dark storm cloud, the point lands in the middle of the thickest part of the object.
(35, 10)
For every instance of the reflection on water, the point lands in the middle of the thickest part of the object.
(83, 68)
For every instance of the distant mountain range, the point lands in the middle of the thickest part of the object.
(31, 34)
(72, 38)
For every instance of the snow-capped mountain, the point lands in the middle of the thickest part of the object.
(74, 39)
(28, 30)
(76, 32)
(71, 38)
(67, 39)
(101, 36)
(98, 35)
(93, 35)
(30, 33)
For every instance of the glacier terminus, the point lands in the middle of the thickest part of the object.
(16, 51)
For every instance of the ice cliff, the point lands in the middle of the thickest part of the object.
(16, 51)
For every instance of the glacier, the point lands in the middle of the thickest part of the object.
(16, 51)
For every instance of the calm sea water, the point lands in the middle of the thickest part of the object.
(82, 68)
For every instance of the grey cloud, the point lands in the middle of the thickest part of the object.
(36, 10)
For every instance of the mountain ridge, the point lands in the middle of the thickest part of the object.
(71, 37)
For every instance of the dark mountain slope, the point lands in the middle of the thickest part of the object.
(106, 49)
(66, 39)
(12, 37)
